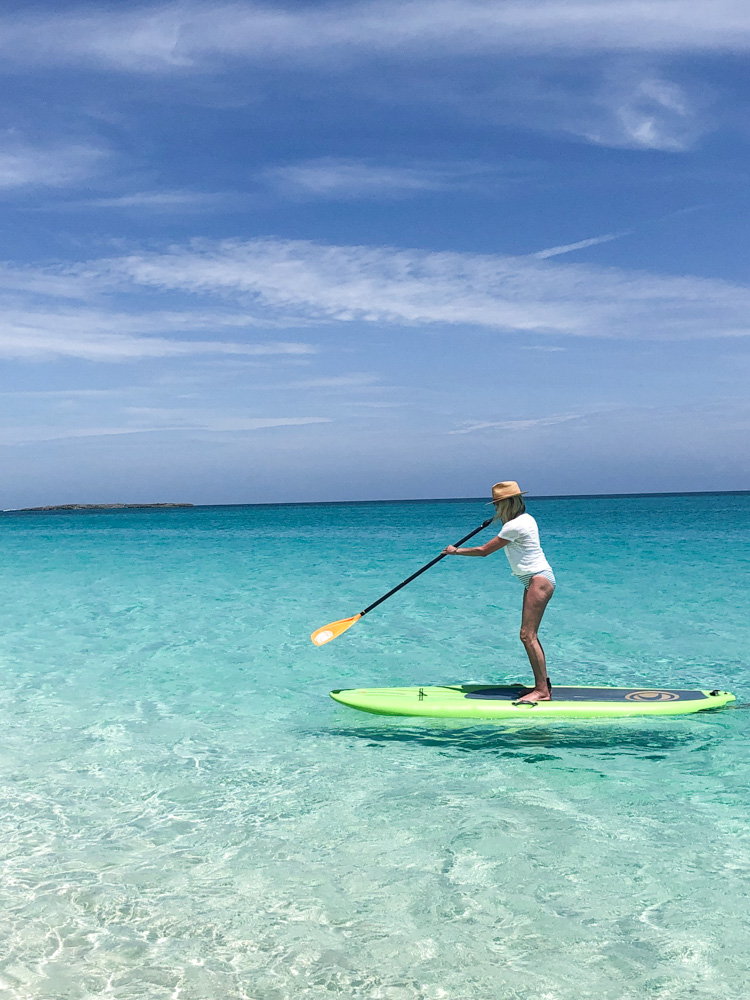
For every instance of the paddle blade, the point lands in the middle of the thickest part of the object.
(323, 635)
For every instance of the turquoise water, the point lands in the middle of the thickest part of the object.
(187, 815)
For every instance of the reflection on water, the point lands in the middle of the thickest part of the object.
(604, 738)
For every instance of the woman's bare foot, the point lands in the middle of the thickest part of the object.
(537, 694)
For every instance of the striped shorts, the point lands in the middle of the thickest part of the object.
(546, 573)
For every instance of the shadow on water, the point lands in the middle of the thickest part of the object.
(605, 739)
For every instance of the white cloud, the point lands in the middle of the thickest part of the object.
(616, 100)
(58, 312)
(159, 201)
(188, 36)
(352, 381)
(636, 109)
(643, 112)
(375, 405)
(99, 335)
(580, 245)
(246, 289)
(306, 282)
(348, 178)
(152, 421)
(63, 394)
(23, 164)
(472, 426)
(173, 418)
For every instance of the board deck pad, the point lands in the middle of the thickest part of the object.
(486, 701)
(589, 694)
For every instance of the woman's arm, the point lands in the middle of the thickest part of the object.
(478, 550)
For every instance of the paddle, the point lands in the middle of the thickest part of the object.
(323, 635)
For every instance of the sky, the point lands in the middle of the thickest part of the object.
(260, 253)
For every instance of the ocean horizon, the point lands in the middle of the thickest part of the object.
(64, 507)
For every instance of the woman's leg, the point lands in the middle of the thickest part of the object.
(535, 600)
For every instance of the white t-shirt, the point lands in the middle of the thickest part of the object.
(523, 549)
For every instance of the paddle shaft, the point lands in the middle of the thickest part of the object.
(424, 568)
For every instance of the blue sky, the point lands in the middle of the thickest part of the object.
(259, 253)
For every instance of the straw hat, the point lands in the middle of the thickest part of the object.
(503, 491)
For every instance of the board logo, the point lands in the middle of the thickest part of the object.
(652, 696)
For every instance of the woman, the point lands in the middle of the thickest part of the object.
(519, 536)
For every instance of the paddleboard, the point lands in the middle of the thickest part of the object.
(484, 701)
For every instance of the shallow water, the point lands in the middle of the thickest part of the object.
(189, 816)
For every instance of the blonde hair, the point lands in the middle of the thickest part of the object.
(506, 510)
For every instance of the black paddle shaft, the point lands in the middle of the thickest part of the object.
(431, 563)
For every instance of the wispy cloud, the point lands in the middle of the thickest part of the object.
(348, 178)
(307, 282)
(111, 336)
(580, 245)
(375, 405)
(618, 101)
(55, 312)
(157, 421)
(608, 237)
(64, 393)
(631, 105)
(186, 37)
(26, 165)
(472, 426)
(627, 101)
(158, 201)
(354, 380)
(245, 289)
(153, 418)
(637, 111)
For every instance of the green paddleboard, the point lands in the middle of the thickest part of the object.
(484, 701)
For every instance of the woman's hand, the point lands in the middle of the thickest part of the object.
(481, 550)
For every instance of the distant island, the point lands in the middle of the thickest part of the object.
(105, 506)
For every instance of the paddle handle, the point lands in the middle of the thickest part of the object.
(437, 559)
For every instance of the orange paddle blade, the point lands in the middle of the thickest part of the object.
(323, 635)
